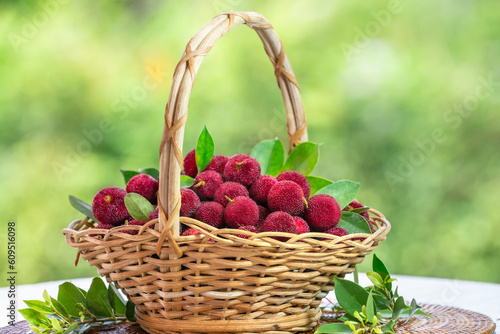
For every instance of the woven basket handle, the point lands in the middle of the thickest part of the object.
(176, 111)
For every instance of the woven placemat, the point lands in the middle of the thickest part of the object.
(445, 320)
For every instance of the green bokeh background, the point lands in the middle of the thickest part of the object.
(403, 95)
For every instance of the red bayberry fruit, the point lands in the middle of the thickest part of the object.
(153, 214)
(134, 223)
(144, 185)
(218, 163)
(190, 202)
(241, 211)
(229, 190)
(280, 221)
(190, 231)
(297, 178)
(286, 196)
(338, 231)
(101, 226)
(322, 213)
(302, 226)
(211, 213)
(242, 168)
(355, 205)
(109, 207)
(206, 183)
(247, 228)
(260, 188)
(190, 168)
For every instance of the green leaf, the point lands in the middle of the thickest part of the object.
(317, 183)
(204, 149)
(150, 171)
(375, 278)
(55, 323)
(116, 300)
(35, 329)
(353, 223)
(59, 308)
(303, 158)
(47, 298)
(69, 295)
(128, 174)
(186, 181)
(71, 328)
(350, 295)
(378, 266)
(389, 327)
(82, 207)
(270, 154)
(39, 306)
(97, 299)
(333, 329)
(138, 207)
(362, 209)
(343, 191)
(399, 307)
(130, 313)
(34, 317)
(370, 307)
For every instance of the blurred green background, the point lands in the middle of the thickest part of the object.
(403, 95)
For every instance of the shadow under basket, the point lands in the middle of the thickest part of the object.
(220, 281)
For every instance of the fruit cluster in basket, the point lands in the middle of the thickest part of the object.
(260, 192)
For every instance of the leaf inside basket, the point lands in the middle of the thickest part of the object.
(303, 158)
(353, 223)
(138, 207)
(204, 149)
(343, 191)
(270, 154)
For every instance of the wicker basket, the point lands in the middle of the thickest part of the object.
(218, 282)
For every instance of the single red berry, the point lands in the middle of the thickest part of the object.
(260, 188)
(153, 214)
(286, 196)
(338, 231)
(190, 202)
(206, 183)
(109, 207)
(280, 221)
(322, 213)
(218, 163)
(144, 185)
(302, 226)
(211, 213)
(101, 226)
(190, 231)
(134, 223)
(229, 190)
(242, 168)
(297, 178)
(190, 168)
(241, 211)
(247, 228)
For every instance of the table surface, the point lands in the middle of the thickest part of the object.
(475, 296)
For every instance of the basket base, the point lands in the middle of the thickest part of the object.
(282, 324)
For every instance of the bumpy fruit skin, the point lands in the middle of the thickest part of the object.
(108, 206)
(136, 223)
(154, 214)
(263, 213)
(247, 228)
(218, 163)
(206, 183)
(280, 221)
(211, 213)
(229, 190)
(101, 226)
(260, 188)
(356, 204)
(190, 168)
(144, 185)
(190, 202)
(323, 212)
(243, 169)
(190, 231)
(302, 226)
(297, 178)
(286, 196)
(240, 212)
(338, 231)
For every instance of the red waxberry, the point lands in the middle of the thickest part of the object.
(302, 226)
(355, 205)
(190, 168)
(229, 190)
(297, 178)
(190, 202)
(247, 228)
(211, 213)
(242, 168)
(286, 196)
(322, 213)
(338, 231)
(134, 223)
(101, 226)
(280, 221)
(190, 231)
(260, 188)
(263, 213)
(241, 211)
(109, 207)
(153, 214)
(218, 163)
(144, 185)
(206, 183)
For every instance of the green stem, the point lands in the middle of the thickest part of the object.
(356, 275)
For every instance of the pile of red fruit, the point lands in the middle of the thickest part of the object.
(232, 193)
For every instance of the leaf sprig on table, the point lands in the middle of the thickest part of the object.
(373, 309)
(76, 309)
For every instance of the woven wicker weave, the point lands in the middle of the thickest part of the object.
(218, 282)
